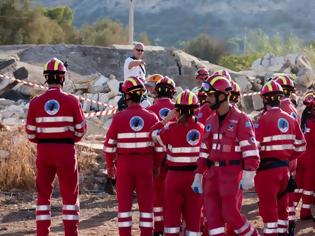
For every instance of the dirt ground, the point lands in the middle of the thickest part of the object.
(98, 215)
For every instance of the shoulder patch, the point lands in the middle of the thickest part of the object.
(283, 125)
(163, 112)
(294, 115)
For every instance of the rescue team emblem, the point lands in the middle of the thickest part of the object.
(136, 123)
(52, 107)
(193, 137)
(283, 125)
(294, 115)
(199, 115)
(208, 127)
(163, 112)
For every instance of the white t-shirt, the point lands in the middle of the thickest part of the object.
(134, 71)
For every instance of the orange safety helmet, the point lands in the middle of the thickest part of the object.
(153, 79)
(187, 98)
(132, 85)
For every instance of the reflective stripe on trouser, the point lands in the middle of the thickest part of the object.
(181, 203)
(291, 208)
(268, 184)
(217, 231)
(283, 226)
(158, 202)
(270, 228)
(65, 166)
(135, 174)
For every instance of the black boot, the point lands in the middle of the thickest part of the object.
(291, 228)
(158, 234)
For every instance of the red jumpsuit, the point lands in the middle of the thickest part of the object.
(182, 142)
(281, 140)
(287, 106)
(128, 141)
(161, 108)
(55, 121)
(305, 174)
(227, 149)
(203, 113)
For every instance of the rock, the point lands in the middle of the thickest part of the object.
(4, 154)
(5, 102)
(98, 86)
(244, 83)
(12, 121)
(257, 102)
(113, 85)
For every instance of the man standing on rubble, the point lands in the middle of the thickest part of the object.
(55, 121)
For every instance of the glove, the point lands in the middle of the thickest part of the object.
(247, 181)
(197, 184)
(111, 172)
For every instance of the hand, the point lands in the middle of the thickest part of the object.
(170, 116)
(111, 172)
(247, 181)
(141, 62)
(197, 184)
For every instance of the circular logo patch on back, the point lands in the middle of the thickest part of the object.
(136, 123)
(163, 112)
(52, 107)
(283, 125)
(193, 137)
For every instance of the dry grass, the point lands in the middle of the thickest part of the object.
(18, 169)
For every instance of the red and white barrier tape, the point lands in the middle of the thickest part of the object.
(34, 85)
(100, 113)
(250, 94)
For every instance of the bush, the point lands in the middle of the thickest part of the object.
(238, 62)
(206, 48)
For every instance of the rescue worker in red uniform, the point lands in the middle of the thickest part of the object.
(287, 106)
(55, 122)
(132, 156)
(228, 149)
(235, 99)
(182, 140)
(305, 175)
(201, 75)
(204, 111)
(281, 140)
(165, 90)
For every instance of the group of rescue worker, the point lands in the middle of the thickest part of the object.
(188, 158)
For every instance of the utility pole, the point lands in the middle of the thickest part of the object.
(131, 21)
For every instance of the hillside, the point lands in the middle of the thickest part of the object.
(168, 22)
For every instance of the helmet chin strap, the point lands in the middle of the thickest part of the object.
(218, 103)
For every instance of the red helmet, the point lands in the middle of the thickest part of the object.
(54, 66)
(217, 84)
(166, 82)
(284, 80)
(235, 88)
(270, 88)
(221, 73)
(309, 98)
(132, 85)
(202, 73)
(187, 98)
